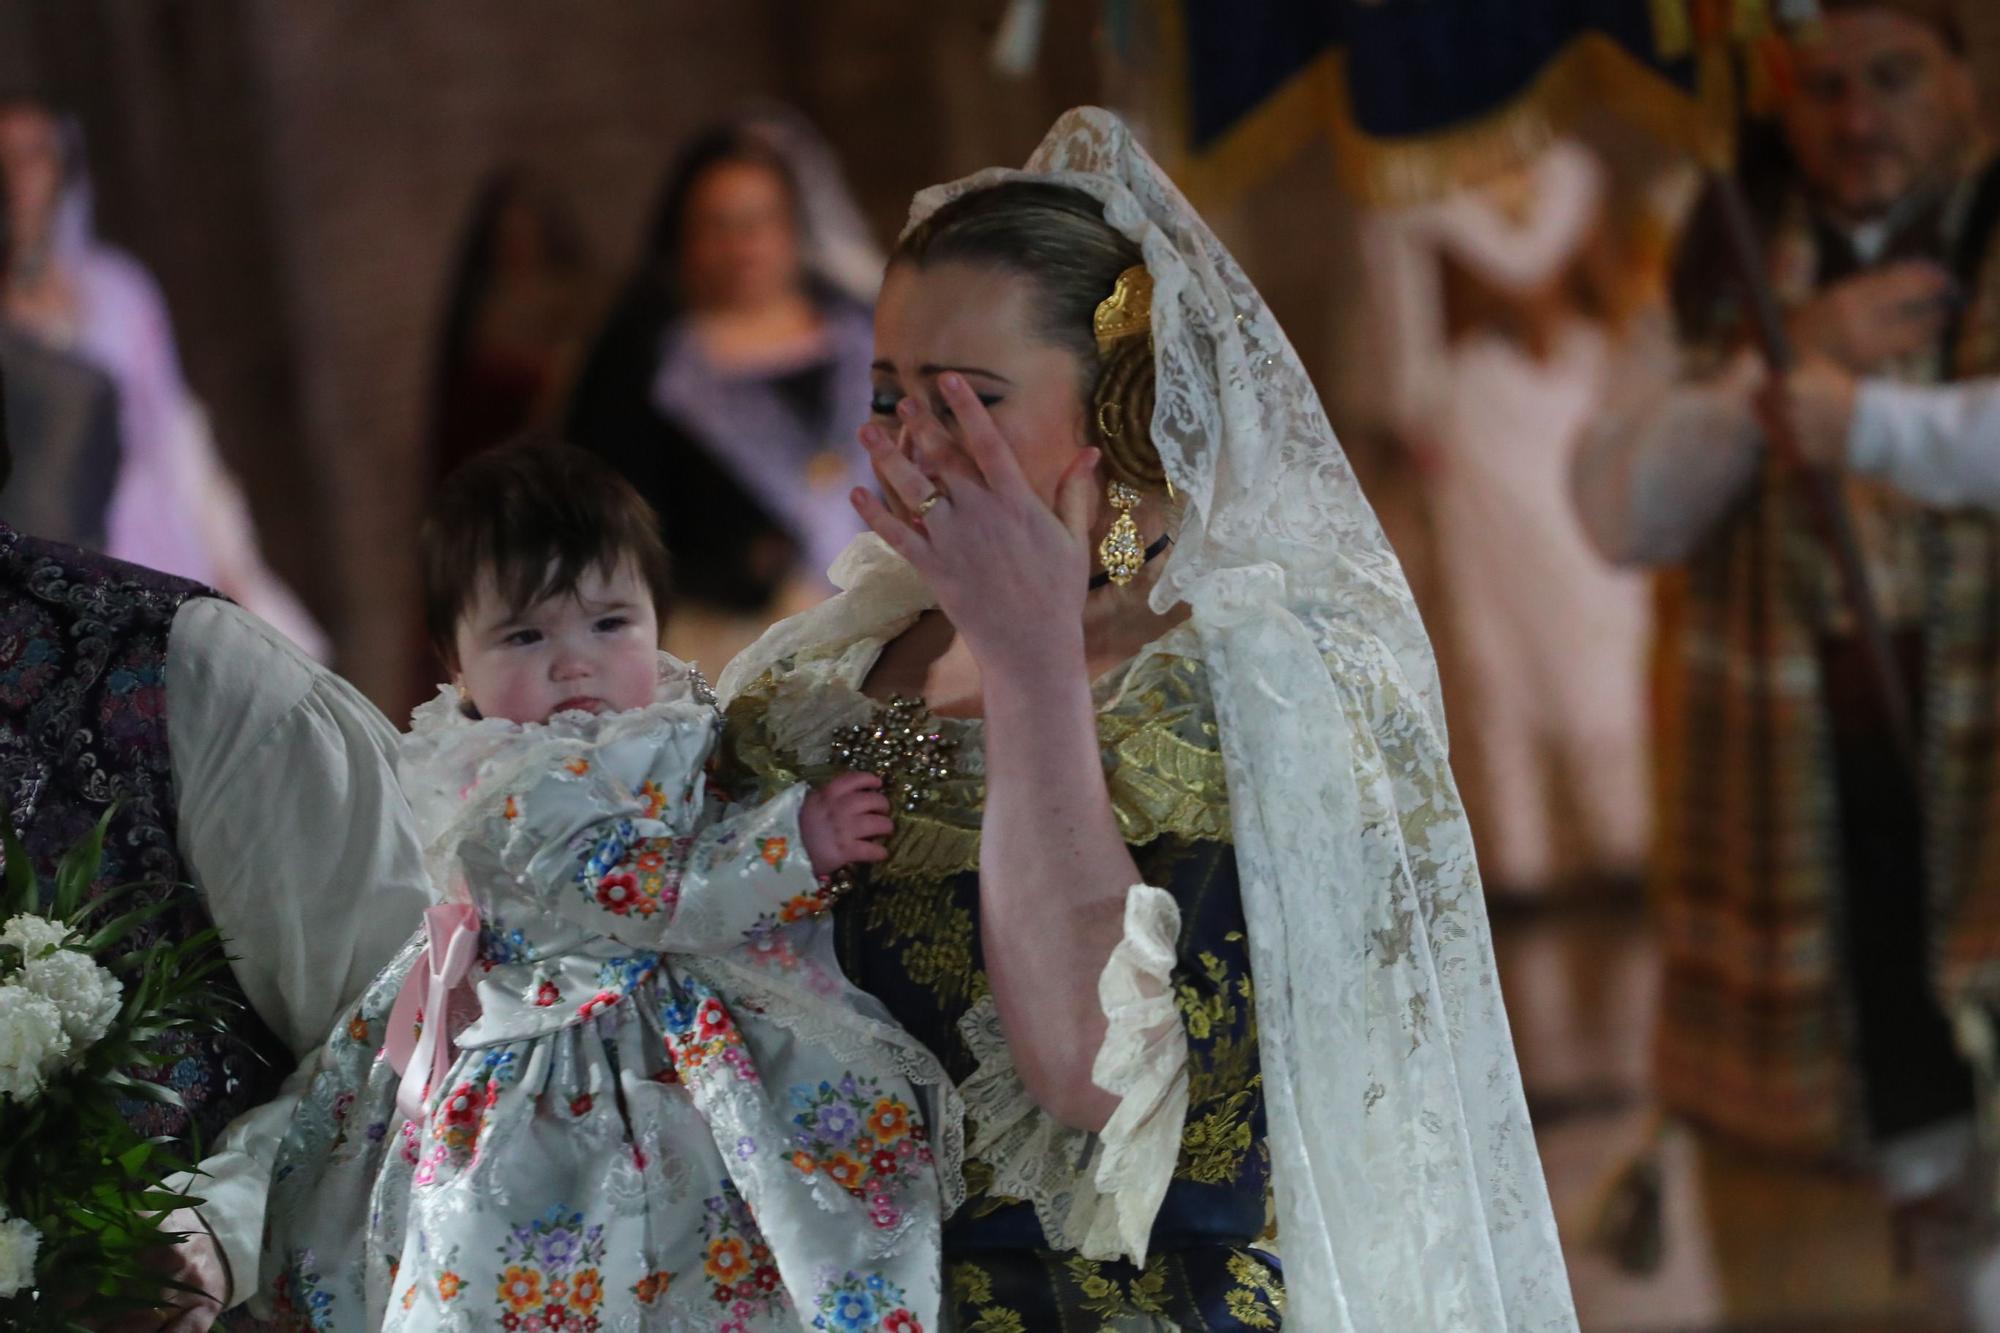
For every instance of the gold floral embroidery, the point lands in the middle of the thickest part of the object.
(1204, 1014)
(928, 849)
(1162, 765)
(1224, 1084)
(932, 933)
(980, 1200)
(1259, 1300)
(1214, 1146)
(972, 1289)
(1164, 755)
(1108, 1297)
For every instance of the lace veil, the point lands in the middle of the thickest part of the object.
(838, 245)
(1409, 1192)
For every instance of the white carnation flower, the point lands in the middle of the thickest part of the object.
(18, 1243)
(84, 994)
(34, 934)
(32, 1041)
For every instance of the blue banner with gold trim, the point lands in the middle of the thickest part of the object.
(1454, 79)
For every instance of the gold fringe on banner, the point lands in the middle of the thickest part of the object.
(1591, 76)
(1262, 141)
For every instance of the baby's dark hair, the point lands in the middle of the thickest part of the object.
(537, 515)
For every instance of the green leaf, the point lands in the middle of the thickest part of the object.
(144, 1091)
(79, 866)
(167, 1200)
(21, 894)
(114, 931)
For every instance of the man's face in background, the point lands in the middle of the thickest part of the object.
(1884, 110)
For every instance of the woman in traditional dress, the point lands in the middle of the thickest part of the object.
(730, 377)
(521, 295)
(174, 507)
(1497, 333)
(1181, 891)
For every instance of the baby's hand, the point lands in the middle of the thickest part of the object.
(845, 821)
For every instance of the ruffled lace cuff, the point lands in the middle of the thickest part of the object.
(1098, 1193)
(1144, 1062)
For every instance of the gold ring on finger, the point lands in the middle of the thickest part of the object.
(929, 504)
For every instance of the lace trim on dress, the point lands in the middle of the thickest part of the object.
(446, 753)
(1104, 1210)
(1156, 724)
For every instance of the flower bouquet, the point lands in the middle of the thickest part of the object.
(84, 1003)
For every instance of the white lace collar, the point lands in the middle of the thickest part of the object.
(832, 647)
(447, 755)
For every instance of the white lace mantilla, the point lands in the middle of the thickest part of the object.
(1409, 1192)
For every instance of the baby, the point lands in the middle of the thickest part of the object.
(622, 1083)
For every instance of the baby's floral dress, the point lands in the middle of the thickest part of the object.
(665, 1109)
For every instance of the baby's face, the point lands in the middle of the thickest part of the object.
(594, 652)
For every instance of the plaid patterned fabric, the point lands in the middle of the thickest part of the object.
(1758, 1025)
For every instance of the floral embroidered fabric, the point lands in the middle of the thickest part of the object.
(1179, 1179)
(667, 1107)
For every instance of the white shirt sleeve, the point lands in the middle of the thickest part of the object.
(294, 829)
(1938, 443)
(1667, 455)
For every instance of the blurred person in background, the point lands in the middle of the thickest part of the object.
(61, 422)
(1822, 927)
(732, 375)
(250, 790)
(174, 507)
(1493, 307)
(516, 316)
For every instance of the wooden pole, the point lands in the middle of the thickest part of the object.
(1818, 486)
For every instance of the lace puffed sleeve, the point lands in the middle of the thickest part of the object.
(1098, 1193)
(1180, 1052)
(1144, 1061)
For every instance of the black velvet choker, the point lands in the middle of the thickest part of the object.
(1103, 576)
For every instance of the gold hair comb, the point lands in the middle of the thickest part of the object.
(1128, 310)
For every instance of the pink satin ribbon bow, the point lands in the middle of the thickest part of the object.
(423, 1057)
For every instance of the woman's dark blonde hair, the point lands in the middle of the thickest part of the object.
(1058, 237)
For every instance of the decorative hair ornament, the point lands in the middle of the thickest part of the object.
(1127, 311)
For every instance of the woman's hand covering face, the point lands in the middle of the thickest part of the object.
(978, 442)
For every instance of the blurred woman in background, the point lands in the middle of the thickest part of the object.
(518, 311)
(731, 377)
(174, 506)
(1499, 309)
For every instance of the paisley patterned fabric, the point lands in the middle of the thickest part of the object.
(83, 726)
